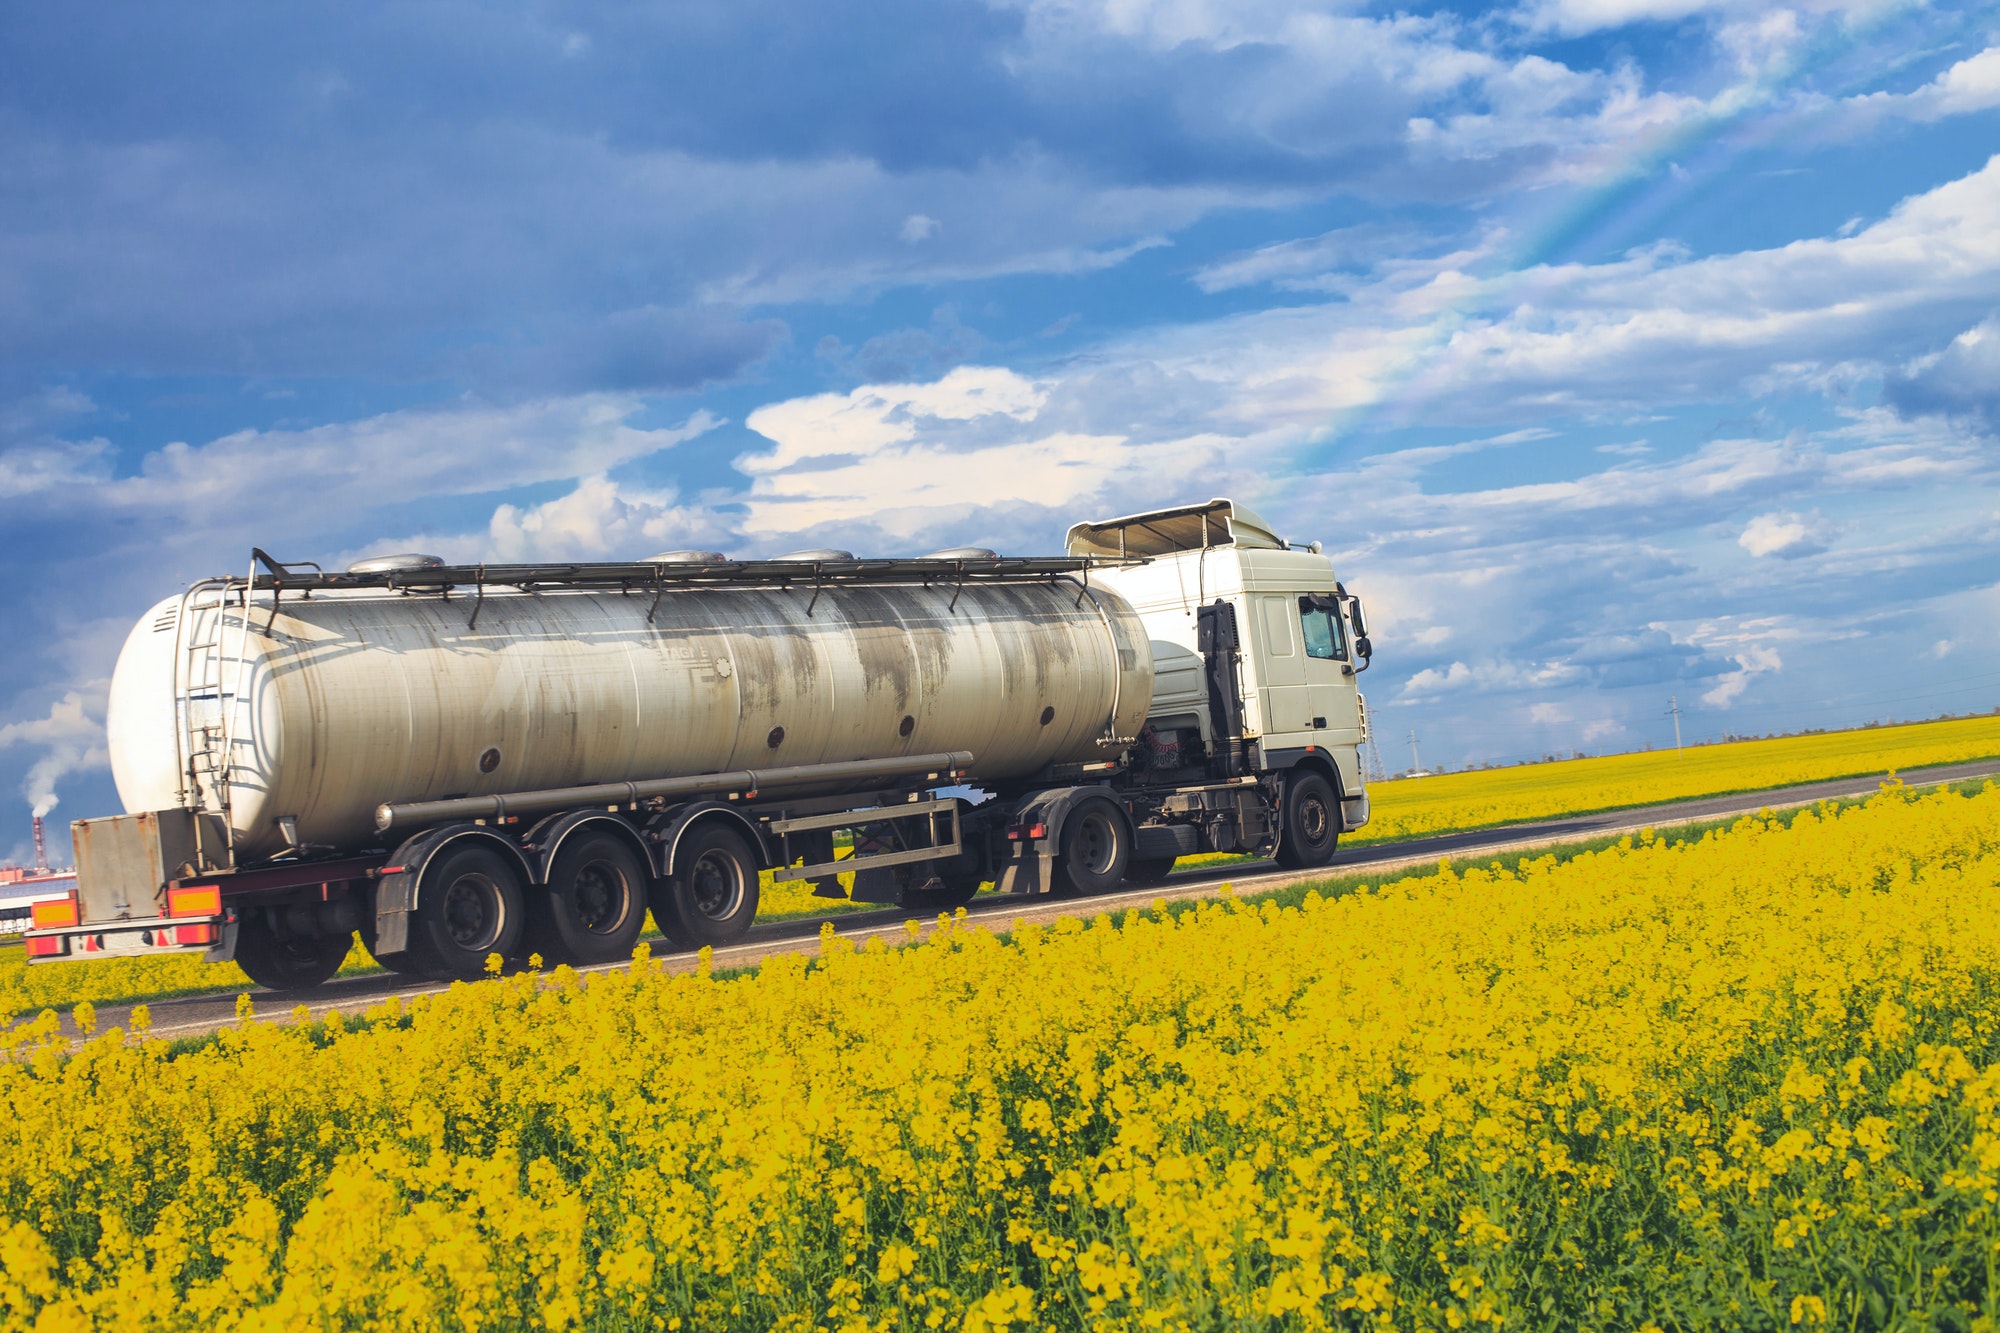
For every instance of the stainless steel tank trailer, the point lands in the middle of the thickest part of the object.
(460, 761)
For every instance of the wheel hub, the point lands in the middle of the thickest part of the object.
(716, 885)
(600, 898)
(472, 912)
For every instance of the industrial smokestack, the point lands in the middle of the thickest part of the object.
(41, 848)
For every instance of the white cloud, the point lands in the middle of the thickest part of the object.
(1785, 534)
(1751, 662)
(327, 475)
(600, 521)
(32, 469)
(1575, 18)
(918, 227)
(909, 458)
(1973, 84)
(1439, 344)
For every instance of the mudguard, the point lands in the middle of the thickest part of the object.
(396, 891)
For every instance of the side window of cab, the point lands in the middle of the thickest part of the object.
(1321, 628)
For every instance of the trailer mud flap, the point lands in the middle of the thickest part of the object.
(395, 895)
(1029, 870)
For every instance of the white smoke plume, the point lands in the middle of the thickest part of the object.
(71, 738)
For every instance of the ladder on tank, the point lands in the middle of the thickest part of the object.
(206, 700)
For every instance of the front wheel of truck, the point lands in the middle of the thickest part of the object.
(287, 964)
(1311, 822)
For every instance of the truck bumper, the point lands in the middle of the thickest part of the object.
(212, 937)
(1353, 812)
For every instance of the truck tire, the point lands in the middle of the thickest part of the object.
(712, 897)
(294, 964)
(595, 905)
(1149, 872)
(1094, 849)
(470, 904)
(1311, 822)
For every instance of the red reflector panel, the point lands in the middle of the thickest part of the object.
(204, 900)
(54, 912)
(47, 947)
(204, 934)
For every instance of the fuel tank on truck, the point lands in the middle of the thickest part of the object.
(300, 720)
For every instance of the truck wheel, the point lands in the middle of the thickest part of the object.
(1311, 822)
(712, 897)
(470, 904)
(294, 964)
(595, 906)
(1149, 872)
(1095, 847)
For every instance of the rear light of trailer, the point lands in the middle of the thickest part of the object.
(55, 913)
(201, 934)
(203, 900)
(47, 946)
(1028, 831)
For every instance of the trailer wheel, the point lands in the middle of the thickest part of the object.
(469, 905)
(712, 897)
(1095, 847)
(595, 906)
(293, 964)
(1311, 822)
(1150, 871)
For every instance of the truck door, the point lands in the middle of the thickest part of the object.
(1281, 671)
(1329, 677)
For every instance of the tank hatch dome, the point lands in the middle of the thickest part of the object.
(1165, 531)
(389, 564)
(964, 553)
(686, 558)
(819, 554)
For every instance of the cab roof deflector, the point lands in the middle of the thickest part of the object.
(1166, 531)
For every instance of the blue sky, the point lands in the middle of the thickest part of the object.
(1617, 349)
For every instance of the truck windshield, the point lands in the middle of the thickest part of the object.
(1322, 631)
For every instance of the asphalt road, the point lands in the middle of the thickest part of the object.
(193, 1015)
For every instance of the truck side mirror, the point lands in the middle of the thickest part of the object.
(1363, 648)
(1360, 620)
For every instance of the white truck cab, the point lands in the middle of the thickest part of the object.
(1299, 638)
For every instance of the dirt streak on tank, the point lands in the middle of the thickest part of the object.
(934, 650)
(692, 681)
(885, 641)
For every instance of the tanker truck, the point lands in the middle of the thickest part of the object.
(462, 761)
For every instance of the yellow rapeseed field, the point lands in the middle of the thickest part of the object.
(1417, 807)
(1749, 1081)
